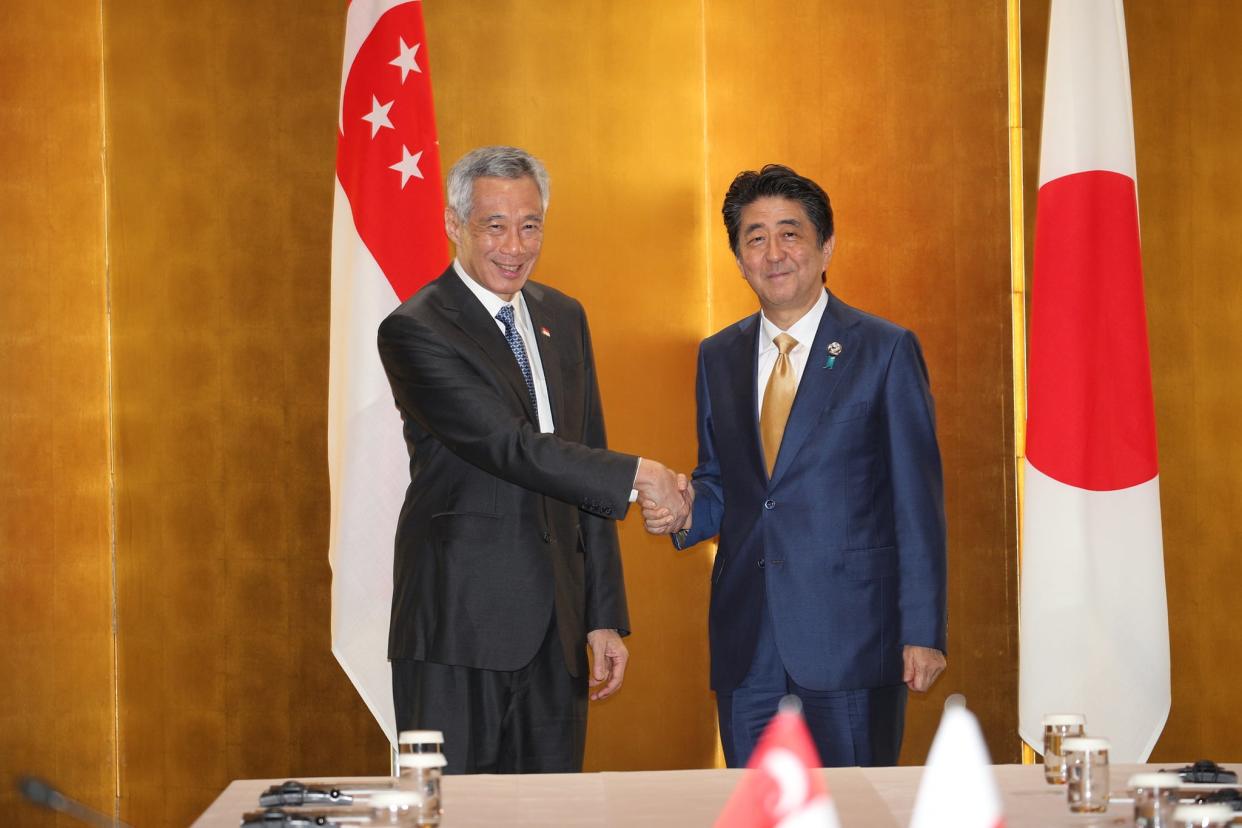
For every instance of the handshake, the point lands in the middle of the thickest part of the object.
(667, 498)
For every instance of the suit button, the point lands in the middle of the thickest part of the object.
(762, 563)
(547, 537)
(608, 510)
(769, 504)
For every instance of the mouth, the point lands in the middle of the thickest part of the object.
(511, 271)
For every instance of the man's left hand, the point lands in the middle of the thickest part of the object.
(923, 665)
(608, 659)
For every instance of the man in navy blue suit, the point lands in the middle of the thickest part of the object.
(820, 473)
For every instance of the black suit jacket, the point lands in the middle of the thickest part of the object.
(501, 523)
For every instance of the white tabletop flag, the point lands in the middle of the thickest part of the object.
(958, 788)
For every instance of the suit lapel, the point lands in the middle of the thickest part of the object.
(472, 319)
(818, 382)
(744, 350)
(543, 319)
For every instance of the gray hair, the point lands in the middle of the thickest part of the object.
(492, 162)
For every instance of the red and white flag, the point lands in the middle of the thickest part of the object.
(958, 788)
(1094, 618)
(781, 788)
(387, 241)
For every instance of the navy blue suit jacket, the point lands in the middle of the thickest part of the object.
(846, 542)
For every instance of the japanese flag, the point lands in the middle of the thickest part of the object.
(1093, 618)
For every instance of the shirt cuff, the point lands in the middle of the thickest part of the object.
(634, 484)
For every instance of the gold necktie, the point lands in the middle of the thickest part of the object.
(777, 400)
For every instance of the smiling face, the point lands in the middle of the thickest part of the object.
(498, 243)
(781, 258)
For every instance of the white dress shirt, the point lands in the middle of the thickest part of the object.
(803, 330)
(493, 303)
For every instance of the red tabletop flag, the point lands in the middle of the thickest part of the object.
(781, 788)
(387, 241)
(1093, 617)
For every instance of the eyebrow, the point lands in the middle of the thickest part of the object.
(750, 228)
(501, 216)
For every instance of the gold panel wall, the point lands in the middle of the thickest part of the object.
(614, 108)
(220, 146)
(55, 556)
(643, 127)
(1186, 73)
(221, 130)
(899, 110)
(1186, 82)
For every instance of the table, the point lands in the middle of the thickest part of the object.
(871, 797)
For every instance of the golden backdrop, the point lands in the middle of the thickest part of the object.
(899, 111)
(57, 697)
(615, 111)
(221, 132)
(163, 356)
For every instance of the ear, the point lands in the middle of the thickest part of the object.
(452, 228)
(829, 246)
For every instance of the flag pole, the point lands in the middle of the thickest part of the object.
(1017, 270)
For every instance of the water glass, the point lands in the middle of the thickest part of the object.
(1155, 797)
(419, 773)
(1057, 727)
(1086, 774)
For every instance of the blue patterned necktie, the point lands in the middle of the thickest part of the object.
(519, 352)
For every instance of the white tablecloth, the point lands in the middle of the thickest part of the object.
(864, 797)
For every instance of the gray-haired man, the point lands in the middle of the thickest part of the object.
(506, 564)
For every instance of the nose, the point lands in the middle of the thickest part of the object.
(511, 242)
(772, 251)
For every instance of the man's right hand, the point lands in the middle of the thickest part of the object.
(666, 498)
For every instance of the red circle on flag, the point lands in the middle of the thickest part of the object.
(1090, 419)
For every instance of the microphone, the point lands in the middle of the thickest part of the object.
(40, 792)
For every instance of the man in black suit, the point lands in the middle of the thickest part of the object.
(506, 564)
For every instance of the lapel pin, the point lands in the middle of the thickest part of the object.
(543, 330)
(834, 351)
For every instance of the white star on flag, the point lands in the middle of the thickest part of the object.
(405, 60)
(378, 116)
(408, 165)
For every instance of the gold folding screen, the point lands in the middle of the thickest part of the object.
(221, 134)
(644, 113)
(57, 717)
(207, 130)
(899, 111)
(614, 110)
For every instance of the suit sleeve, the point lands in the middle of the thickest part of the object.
(606, 606)
(445, 395)
(708, 491)
(918, 496)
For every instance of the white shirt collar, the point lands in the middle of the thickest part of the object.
(803, 330)
(491, 302)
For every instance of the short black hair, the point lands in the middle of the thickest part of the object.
(782, 182)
